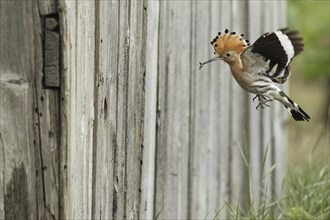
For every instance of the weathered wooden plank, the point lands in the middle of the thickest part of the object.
(135, 106)
(105, 121)
(205, 164)
(161, 128)
(150, 108)
(201, 106)
(130, 83)
(279, 115)
(17, 135)
(18, 199)
(120, 178)
(47, 115)
(217, 141)
(46, 104)
(173, 105)
(79, 60)
(225, 126)
(65, 111)
(254, 131)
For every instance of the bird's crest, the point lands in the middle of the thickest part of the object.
(229, 41)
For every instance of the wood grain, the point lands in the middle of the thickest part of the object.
(126, 126)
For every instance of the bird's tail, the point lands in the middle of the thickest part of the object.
(298, 114)
(294, 109)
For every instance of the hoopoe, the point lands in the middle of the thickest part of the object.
(257, 67)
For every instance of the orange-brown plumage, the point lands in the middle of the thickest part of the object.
(229, 42)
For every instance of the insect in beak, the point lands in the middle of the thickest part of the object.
(209, 61)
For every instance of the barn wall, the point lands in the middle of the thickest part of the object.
(29, 116)
(129, 127)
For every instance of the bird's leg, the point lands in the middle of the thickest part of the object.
(262, 101)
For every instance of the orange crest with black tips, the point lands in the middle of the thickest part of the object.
(229, 42)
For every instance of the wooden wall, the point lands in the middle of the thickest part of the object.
(134, 129)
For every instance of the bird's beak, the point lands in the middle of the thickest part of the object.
(209, 61)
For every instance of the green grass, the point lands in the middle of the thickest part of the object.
(308, 194)
(307, 197)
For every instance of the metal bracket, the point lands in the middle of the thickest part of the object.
(51, 47)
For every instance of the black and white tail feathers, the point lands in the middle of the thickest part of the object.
(294, 109)
(279, 48)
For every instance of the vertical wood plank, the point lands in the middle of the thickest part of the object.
(279, 119)
(18, 133)
(211, 98)
(47, 115)
(105, 120)
(173, 95)
(135, 105)
(67, 21)
(255, 131)
(111, 69)
(120, 181)
(64, 201)
(79, 60)
(143, 131)
(225, 99)
(201, 170)
(150, 108)
(219, 106)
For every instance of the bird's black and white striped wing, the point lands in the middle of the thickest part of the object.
(278, 49)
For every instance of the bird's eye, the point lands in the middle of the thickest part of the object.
(228, 54)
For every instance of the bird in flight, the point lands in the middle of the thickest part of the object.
(258, 67)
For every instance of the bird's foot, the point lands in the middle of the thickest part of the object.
(255, 97)
(262, 101)
(262, 105)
